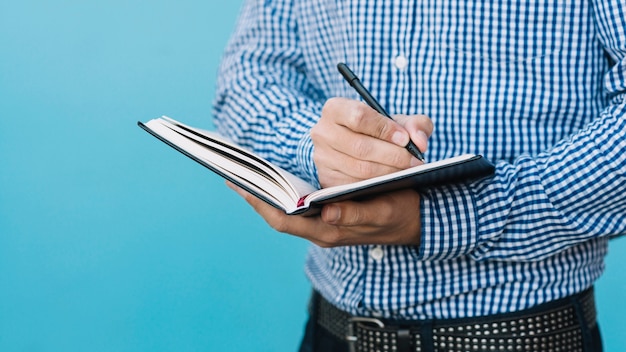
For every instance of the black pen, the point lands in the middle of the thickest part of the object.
(354, 81)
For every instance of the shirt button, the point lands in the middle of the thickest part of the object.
(401, 62)
(377, 253)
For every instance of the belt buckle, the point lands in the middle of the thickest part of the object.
(352, 337)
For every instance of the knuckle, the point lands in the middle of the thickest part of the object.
(427, 123)
(365, 169)
(355, 217)
(385, 210)
(330, 104)
(399, 160)
(330, 108)
(331, 239)
(361, 148)
(280, 225)
(357, 114)
(318, 136)
(384, 129)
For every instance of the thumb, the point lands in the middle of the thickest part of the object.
(351, 213)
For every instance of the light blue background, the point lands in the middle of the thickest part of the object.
(111, 241)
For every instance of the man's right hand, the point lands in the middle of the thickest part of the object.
(353, 142)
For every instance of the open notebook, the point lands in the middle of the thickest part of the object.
(285, 190)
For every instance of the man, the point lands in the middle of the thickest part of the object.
(502, 263)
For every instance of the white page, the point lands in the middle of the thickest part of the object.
(227, 166)
(294, 185)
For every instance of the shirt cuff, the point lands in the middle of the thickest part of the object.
(304, 158)
(449, 223)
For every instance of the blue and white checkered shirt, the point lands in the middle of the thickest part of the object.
(537, 86)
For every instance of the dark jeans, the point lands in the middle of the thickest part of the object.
(317, 339)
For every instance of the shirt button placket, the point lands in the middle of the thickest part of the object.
(401, 62)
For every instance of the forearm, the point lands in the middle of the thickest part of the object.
(264, 101)
(537, 206)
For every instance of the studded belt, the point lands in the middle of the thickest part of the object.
(554, 326)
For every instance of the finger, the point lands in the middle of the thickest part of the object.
(265, 210)
(330, 140)
(352, 225)
(341, 168)
(392, 218)
(367, 148)
(305, 227)
(359, 117)
(419, 127)
(361, 214)
(377, 211)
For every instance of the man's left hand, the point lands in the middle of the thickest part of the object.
(391, 218)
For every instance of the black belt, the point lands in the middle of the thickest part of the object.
(553, 326)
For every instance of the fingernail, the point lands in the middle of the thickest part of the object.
(399, 138)
(333, 213)
(416, 161)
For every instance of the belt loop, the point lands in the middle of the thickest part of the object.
(404, 340)
(426, 336)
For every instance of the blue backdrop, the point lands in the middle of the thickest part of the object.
(111, 241)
